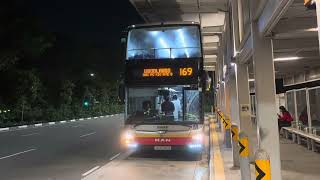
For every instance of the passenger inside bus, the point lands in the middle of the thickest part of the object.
(167, 106)
(177, 107)
(146, 105)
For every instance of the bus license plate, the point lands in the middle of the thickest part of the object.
(162, 148)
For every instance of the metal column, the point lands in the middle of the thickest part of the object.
(246, 125)
(268, 135)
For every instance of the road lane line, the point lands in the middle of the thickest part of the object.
(16, 154)
(90, 171)
(4, 129)
(115, 156)
(24, 126)
(85, 135)
(25, 135)
(37, 125)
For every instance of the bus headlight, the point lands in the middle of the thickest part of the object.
(128, 139)
(195, 146)
(197, 142)
(197, 137)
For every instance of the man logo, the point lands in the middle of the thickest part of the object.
(162, 140)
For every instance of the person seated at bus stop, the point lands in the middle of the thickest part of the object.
(284, 118)
(167, 107)
(303, 117)
(177, 107)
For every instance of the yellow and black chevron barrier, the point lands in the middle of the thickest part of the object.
(220, 114)
(235, 133)
(235, 146)
(262, 165)
(244, 156)
(244, 146)
(227, 123)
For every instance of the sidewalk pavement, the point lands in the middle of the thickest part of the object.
(297, 162)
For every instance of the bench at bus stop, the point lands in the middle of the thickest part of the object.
(297, 135)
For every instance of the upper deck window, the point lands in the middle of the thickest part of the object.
(164, 43)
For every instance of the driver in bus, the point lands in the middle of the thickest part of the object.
(167, 106)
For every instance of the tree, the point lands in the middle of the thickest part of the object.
(66, 94)
(29, 95)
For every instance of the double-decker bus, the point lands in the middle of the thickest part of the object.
(163, 84)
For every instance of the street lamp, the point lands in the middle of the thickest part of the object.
(92, 74)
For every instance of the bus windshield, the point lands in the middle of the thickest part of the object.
(169, 42)
(176, 104)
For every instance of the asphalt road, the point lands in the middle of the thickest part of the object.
(64, 151)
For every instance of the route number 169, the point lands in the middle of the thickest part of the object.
(186, 71)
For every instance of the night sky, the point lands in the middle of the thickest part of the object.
(88, 35)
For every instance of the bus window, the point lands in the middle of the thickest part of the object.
(145, 105)
(164, 43)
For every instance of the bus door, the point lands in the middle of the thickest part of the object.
(191, 104)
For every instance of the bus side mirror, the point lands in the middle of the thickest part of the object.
(121, 93)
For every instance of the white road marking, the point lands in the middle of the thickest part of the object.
(63, 121)
(4, 129)
(24, 126)
(37, 125)
(5, 157)
(87, 134)
(90, 171)
(73, 120)
(51, 123)
(25, 135)
(115, 156)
